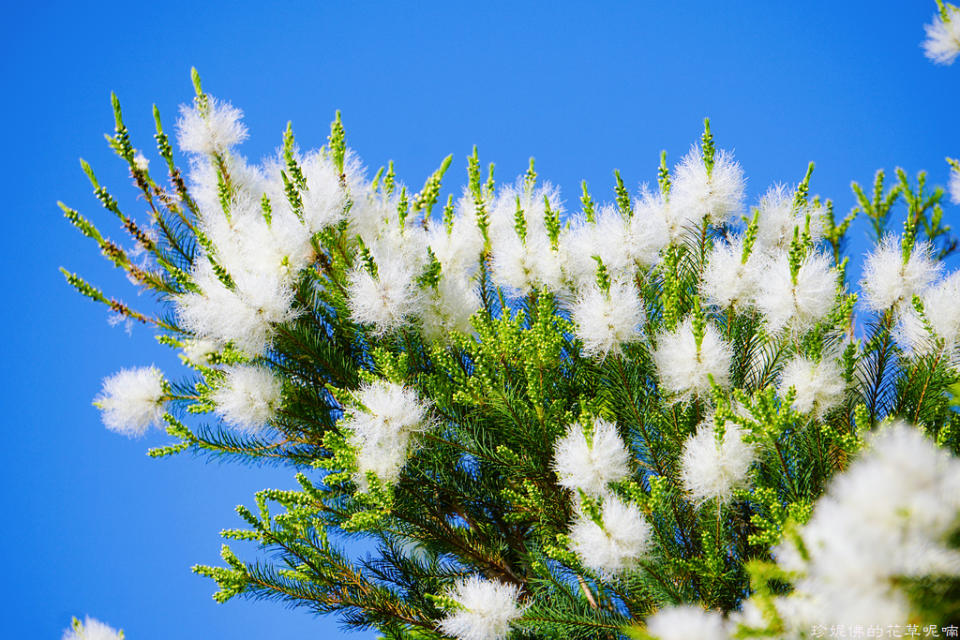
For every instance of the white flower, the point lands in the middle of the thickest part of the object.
(591, 464)
(450, 306)
(687, 622)
(387, 300)
(618, 545)
(91, 629)
(197, 352)
(778, 218)
(717, 196)
(941, 305)
(943, 37)
(488, 608)
(886, 517)
(953, 186)
(213, 129)
(132, 400)
(711, 469)
(800, 305)
(381, 427)
(324, 200)
(819, 385)
(606, 320)
(609, 238)
(889, 282)
(141, 161)
(457, 249)
(248, 398)
(521, 264)
(728, 281)
(684, 370)
(244, 316)
(655, 223)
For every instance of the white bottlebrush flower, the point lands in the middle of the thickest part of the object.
(889, 282)
(796, 306)
(779, 217)
(380, 429)
(487, 607)
(248, 398)
(244, 316)
(141, 161)
(686, 622)
(457, 249)
(941, 305)
(591, 464)
(728, 281)
(655, 223)
(943, 37)
(717, 196)
(953, 185)
(618, 545)
(522, 264)
(647, 234)
(606, 320)
(91, 629)
(324, 199)
(608, 238)
(388, 300)
(197, 351)
(213, 129)
(450, 306)
(712, 470)
(887, 517)
(819, 385)
(132, 400)
(684, 370)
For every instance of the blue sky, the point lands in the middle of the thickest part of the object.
(91, 525)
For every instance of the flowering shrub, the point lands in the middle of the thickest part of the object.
(669, 416)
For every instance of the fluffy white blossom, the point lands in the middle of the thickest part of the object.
(523, 263)
(796, 306)
(728, 281)
(387, 300)
(132, 400)
(244, 315)
(380, 428)
(458, 248)
(616, 546)
(324, 200)
(611, 238)
(91, 629)
(685, 370)
(687, 622)
(197, 352)
(214, 128)
(248, 398)
(591, 463)
(487, 609)
(888, 281)
(656, 222)
(141, 161)
(819, 385)
(605, 320)
(939, 327)
(779, 217)
(886, 517)
(943, 37)
(450, 306)
(953, 185)
(711, 469)
(647, 231)
(697, 194)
